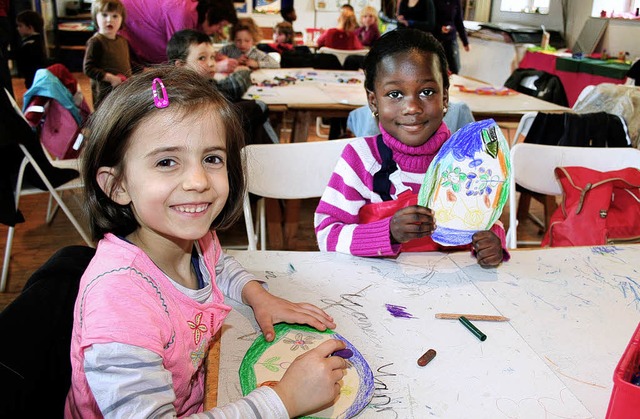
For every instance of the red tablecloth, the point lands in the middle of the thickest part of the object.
(573, 82)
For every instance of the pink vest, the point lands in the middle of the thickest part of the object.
(124, 297)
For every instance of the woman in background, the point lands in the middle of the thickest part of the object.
(418, 14)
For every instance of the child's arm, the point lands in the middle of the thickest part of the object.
(260, 59)
(234, 86)
(130, 381)
(337, 222)
(269, 310)
(235, 282)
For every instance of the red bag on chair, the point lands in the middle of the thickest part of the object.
(598, 208)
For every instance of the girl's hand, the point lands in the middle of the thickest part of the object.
(488, 248)
(269, 310)
(312, 381)
(252, 64)
(226, 66)
(411, 223)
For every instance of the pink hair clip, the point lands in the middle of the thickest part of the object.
(161, 101)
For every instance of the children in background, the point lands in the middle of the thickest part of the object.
(283, 38)
(31, 55)
(194, 50)
(162, 172)
(245, 35)
(342, 36)
(106, 59)
(408, 91)
(368, 32)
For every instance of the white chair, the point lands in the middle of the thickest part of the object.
(524, 126)
(533, 168)
(285, 171)
(342, 54)
(22, 189)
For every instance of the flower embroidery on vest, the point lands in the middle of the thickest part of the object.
(198, 328)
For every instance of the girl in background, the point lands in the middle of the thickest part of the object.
(343, 36)
(106, 59)
(368, 32)
(245, 35)
(408, 92)
(162, 172)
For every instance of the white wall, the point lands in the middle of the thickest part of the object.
(621, 35)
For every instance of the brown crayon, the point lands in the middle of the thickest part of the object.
(427, 357)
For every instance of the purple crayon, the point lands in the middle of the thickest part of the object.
(343, 353)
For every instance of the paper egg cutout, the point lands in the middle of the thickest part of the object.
(467, 184)
(266, 362)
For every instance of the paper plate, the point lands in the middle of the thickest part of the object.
(467, 183)
(266, 362)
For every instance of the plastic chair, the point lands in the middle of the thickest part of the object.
(533, 168)
(523, 127)
(342, 54)
(285, 171)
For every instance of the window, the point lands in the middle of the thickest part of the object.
(525, 6)
(615, 8)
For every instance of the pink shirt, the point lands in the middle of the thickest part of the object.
(125, 298)
(151, 23)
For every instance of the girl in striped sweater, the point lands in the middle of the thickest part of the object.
(369, 207)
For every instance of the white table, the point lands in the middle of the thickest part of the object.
(572, 312)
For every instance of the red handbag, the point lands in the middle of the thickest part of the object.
(598, 208)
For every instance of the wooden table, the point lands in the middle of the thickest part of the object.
(324, 93)
(572, 313)
(508, 108)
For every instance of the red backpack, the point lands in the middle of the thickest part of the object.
(598, 208)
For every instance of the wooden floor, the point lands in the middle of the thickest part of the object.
(35, 241)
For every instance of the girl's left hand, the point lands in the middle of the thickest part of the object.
(269, 310)
(488, 248)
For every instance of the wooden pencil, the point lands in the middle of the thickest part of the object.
(474, 317)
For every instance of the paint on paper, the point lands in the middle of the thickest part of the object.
(467, 183)
(265, 363)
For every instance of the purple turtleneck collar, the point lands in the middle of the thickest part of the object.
(416, 159)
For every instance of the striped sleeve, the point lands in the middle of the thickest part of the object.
(234, 86)
(336, 220)
(129, 381)
(231, 277)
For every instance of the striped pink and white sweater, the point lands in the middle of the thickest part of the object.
(336, 220)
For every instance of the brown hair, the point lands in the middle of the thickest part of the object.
(246, 24)
(108, 6)
(285, 28)
(32, 19)
(109, 130)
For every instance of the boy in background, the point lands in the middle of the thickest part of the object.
(106, 61)
(194, 49)
(31, 55)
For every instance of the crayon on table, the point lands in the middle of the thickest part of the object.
(427, 357)
(474, 317)
(472, 328)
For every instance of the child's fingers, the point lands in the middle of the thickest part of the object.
(328, 347)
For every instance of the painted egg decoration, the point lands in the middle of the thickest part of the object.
(467, 184)
(265, 363)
